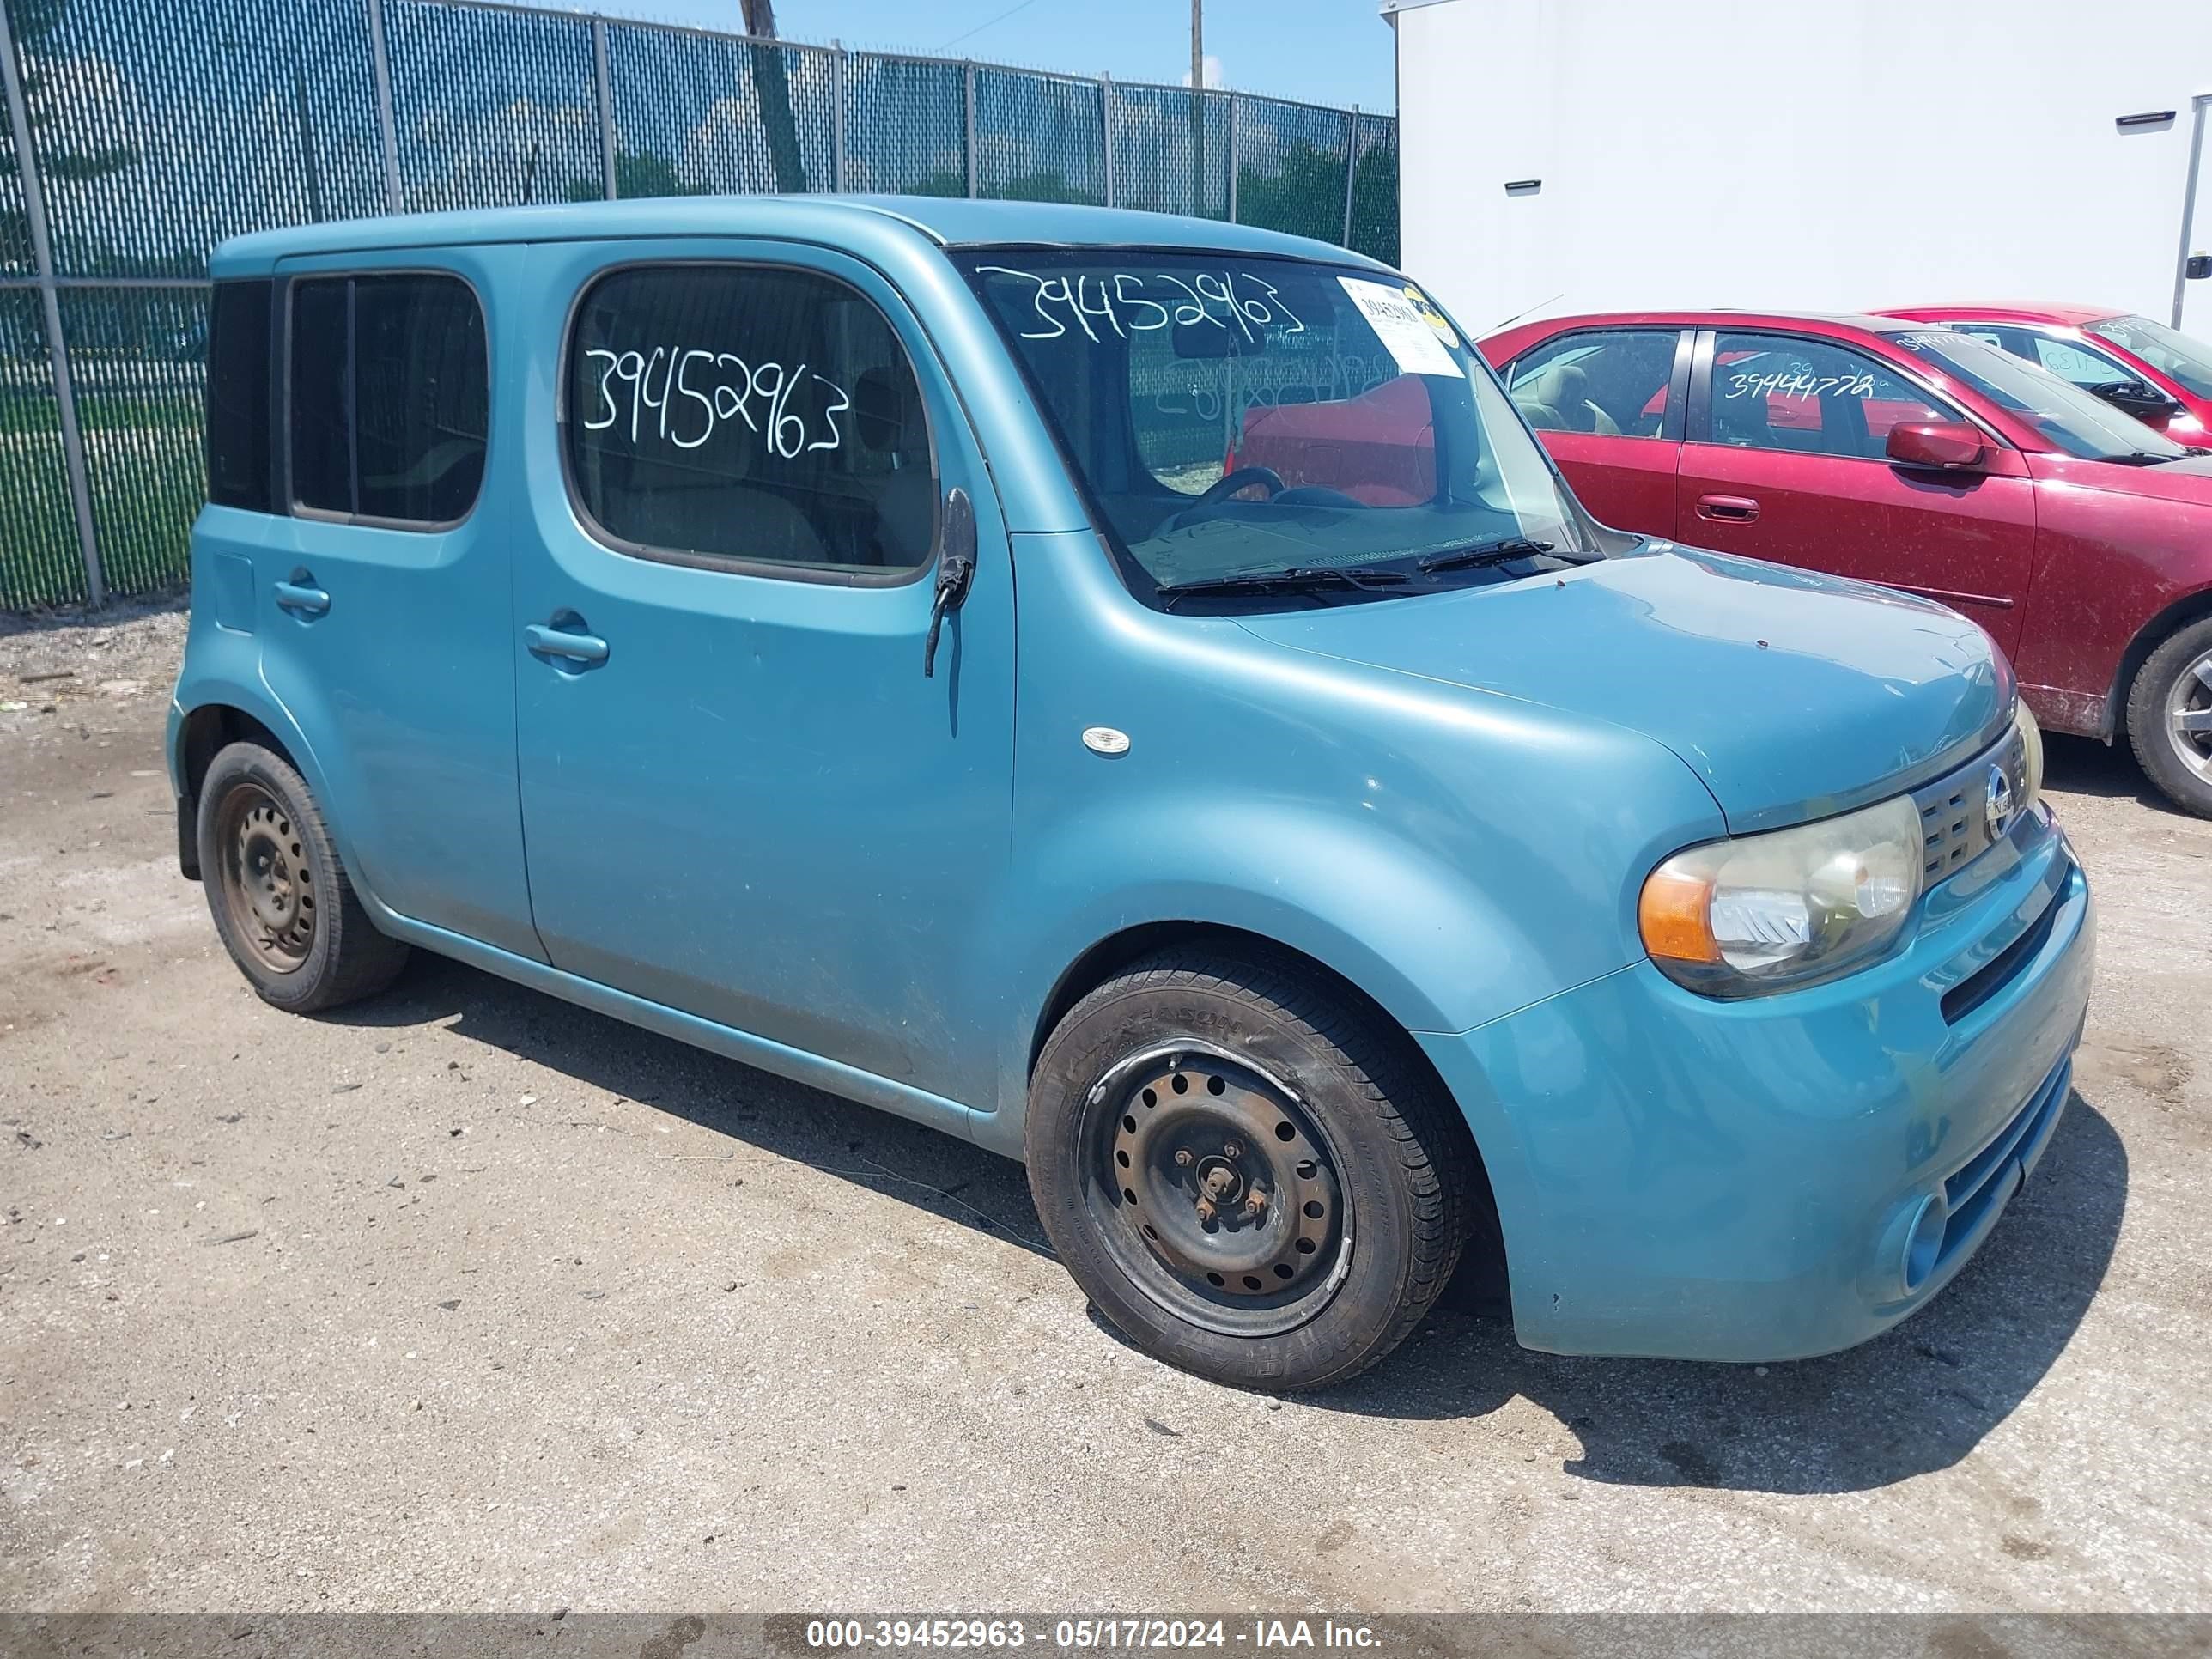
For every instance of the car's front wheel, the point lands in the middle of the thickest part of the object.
(2169, 718)
(281, 900)
(1251, 1180)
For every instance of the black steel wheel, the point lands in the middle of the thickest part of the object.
(279, 895)
(1216, 1192)
(1246, 1170)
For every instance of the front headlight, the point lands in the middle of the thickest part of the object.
(2031, 754)
(1769, 913)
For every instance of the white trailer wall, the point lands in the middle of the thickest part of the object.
(1833, 155)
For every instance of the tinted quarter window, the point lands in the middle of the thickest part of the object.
(238, 396)
(1776, 391)
(321, 395)
(421, 384)
(1612, 383)
(390, 396)
(723, 414)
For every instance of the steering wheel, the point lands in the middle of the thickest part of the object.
(1228, 484)
(1243, 478)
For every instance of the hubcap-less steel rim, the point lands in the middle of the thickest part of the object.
(1216, 1192)
(265, 879)
(2189, 716)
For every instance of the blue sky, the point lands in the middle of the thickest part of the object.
(1326, 51)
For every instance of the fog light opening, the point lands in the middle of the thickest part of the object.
(1923, 1242)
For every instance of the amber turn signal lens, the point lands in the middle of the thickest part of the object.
(1673, 913)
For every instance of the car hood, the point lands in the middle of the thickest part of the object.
(2187, 480)
(1793, 696)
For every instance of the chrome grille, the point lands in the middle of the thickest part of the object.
(1954, 827)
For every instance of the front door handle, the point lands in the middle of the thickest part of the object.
(546, 641)
(1729, 509)
(302, 597)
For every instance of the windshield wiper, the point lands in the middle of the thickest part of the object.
(1503, 550)
(1297, 579)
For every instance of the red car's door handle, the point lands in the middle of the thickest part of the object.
(1731, 509)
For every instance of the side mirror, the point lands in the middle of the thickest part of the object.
(2197, 267)
(1946, 444)
(2146, 402)
(955, 569)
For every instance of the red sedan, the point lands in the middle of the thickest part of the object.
(2140, 367)
(1918, 458)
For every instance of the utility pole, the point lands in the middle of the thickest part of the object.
(1198, 107)
(773, 86)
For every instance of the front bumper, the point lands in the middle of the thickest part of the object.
(1681, 1178)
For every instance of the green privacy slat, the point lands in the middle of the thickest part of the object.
(40, 563)
(492, 108)
(138, 358)
(158, 129)
(1164, 161)
(1290, 167)
(906, 126)
(1039, 137)
(695, 114)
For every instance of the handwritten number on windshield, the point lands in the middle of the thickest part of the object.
(1118, 303)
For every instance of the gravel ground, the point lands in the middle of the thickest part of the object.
(467, 1299)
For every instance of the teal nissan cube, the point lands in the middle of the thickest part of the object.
(869, 638)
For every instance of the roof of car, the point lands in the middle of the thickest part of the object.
(2019, 311)
(1717, 317)
(948, 221)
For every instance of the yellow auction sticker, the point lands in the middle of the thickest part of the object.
(1434, 318)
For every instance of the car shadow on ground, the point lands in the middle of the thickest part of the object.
(1915, 1400)
(2083, 766)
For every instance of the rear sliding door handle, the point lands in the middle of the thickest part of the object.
(1729, 509)
(302, 600)
(549, 641)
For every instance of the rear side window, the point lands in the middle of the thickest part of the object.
(1780, 391)
(745, 416)
(1612, 383)
(390, 398)
(238, 396)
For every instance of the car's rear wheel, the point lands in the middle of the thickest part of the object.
(279, 895)
(2169, 718)
(1250, 1179)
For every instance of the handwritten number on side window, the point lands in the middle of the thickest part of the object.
(669, 398)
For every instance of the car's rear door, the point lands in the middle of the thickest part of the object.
(384, 627)
(1784, 460)
(1608, 405)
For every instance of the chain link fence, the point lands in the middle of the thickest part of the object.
(140, 133)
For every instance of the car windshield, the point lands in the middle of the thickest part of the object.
(1267, 427)
(2079, 423)
(2186, 361)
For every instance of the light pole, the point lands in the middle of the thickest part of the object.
(1198, 107)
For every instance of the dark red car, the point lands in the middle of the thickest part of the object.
(2143, 369)
(1919, 458)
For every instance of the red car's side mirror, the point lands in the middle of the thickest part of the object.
(1946, 444)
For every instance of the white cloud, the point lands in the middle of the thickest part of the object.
(1212, 66)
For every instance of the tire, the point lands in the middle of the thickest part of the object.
(2175, 683)
(281, 900)
(1254, 1082)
